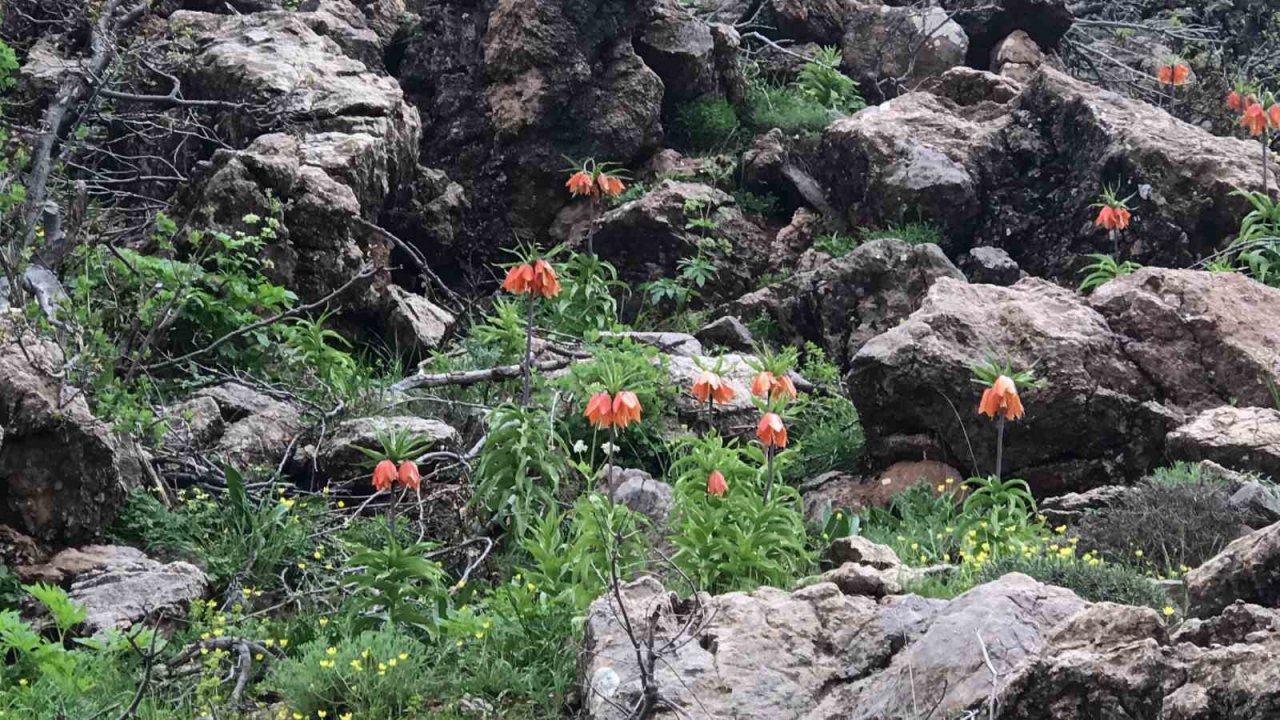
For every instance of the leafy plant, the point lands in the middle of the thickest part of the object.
(1257, 245)
(1095, 582)
(918, 232)
(707, 124)
(836, 245)
(374, 674)
(586, 303)
(821, 80)
(1103, 270)
(521, 467)
(399, 586)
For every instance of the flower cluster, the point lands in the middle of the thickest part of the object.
(537, 278)
(1001, 399)
(1175, 73)
(1113, 211)
(385, 473)
(711, 388)
(594, 180)
(616, 411)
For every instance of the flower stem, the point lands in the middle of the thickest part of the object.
(768, 480)
(999, 446)
(613, 445)
(391, 514)
(526, 368)
(1266, 147)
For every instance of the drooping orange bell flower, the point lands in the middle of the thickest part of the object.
(519, 279)
(1273, 116)
(1001, 399)
(1235, 101)
(1254, 119)
(1174, 74)
(716, 484)
(409, 476)
(782, 385)
(762, 384)
(1112, 218)
(771, 431)
(626, 409)
(384, 473)
(710, 387)
(581, 183)
(599, 410)
(610, 185)
(545, 282)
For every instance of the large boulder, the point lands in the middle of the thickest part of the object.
(1245, 438)
(120, 586)
(1094, 419)
(63, 473)
(891, 49)
(646, 238)
(1044, 22)
(251, 428)
(339, 458)
(687, 52)
(1206, 338)
(845, 656)
(846, 301)
(1023, 173)
(1248, 569)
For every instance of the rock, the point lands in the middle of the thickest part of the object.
(193, 424)
(63, 473)
(855, 579)
(18, 549)
(669, 343)
(1067, 509)
(890, 49)
(819, 21)
(1017, 56)
(727, 332)
(846, 655)
(339, 460)
(990, 265)
(647, 496)
(342, 22)
(859, 550)
(1094, 419)
(843, 490)
(1207, 338)
(1236, 624)
(259, 430)
(415, 322)
(1248, 569)
(1239, 437)
(646, 238)
(120, 586)
(1023, 174)
(1042, 22)
(847, 301)
(767, 169)
(679, 48)
(968, 87)
(1254, 499)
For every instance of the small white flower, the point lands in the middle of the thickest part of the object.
(580, 447)
(609, 447)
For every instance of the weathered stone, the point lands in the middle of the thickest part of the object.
(647, 496)
(727, 332)
(679, 48)
(857, 549)
(1248, 569)
(818, 21)
(1017, 56)
(1255, 499)
(1247, 438)
(669, 343)
(1236, 624)
(890, 49)
(1093, 420)
(767, 169)
(120, 586)
(1066, 509)
(193, 424)
(856, 579)
(1042, 22)
(415, 322)
(258, 430)
(339, 459)
(63, 473)
(847, 301)
(856, 493)
(990, 265)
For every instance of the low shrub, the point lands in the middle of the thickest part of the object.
(705, 125)
(375, 674)
(1093, 581)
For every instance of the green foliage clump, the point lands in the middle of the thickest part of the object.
(1095, 582)
(826, 423)
(521, 467)
(837, 245)
(739, 541)
(1103, 270)
(586, 302)
(1256, 248)
(705, 124)
(918, 232)
(821, 80)
(374, 674)
(787, 108)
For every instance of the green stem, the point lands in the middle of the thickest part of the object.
(768, 482)
(526, 368)
(999, 446)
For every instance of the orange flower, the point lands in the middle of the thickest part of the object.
(519, 279)
(762, 384)
(1175, 74)
(1234, 101)
(716, 484)
(383, 475)
(1001, 398)
(610, 185)
(783, 386)
(1254, 119)
(771, 431)
(409, 476)
(626, 409)
(1112, 218)
(545, 282)
(600, 410)
(580, 183)
(1273, 116)
(712, 387)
